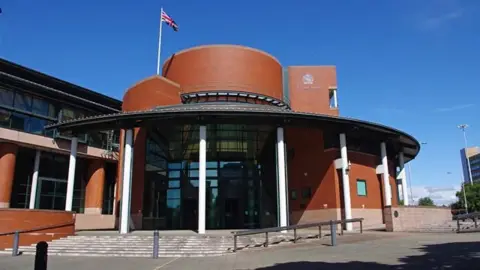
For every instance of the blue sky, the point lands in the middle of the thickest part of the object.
(410, 64)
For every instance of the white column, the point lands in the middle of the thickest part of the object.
(335, 100)
(403, 177)
(33, 189)
(71, 174)
(387, 193)
(127, 182)
(346, 181)
(282, 190)
(202, 179)
(114, 206)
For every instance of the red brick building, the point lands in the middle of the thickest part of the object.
(227, 138)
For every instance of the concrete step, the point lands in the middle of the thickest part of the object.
(111, 249)
(170, 252)
(142, 246)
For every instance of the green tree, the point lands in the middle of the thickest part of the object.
(426, 201)
(472, 192)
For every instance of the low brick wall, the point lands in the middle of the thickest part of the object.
(412, 218)
(26, 219)
(373, 218)
(94, 222)
(312, 216)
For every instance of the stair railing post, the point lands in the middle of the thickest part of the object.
(333, 233)
(266, 239)
(294, 235)
(155, 244)
(234, 243)
(16, 242)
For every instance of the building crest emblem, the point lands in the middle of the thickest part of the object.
(308, 79)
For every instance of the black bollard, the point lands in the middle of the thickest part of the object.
(333, 233)
(155, 245)
(41, 256)
(16, 243)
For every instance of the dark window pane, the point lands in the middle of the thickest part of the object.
(23, 102)
(306, 193)
(52, 111)
(6, 97)
(174, 174)
(19, 121)
(46, 202)
(40, 106)
(173, 193)
(175, 203)
(174, 184)
(5, 118)
(175, 165)
(67, 114)
(293, 194)
(37, 125)
(59, 203)
(212, 173)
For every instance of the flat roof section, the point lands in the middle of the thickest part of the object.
(204, 113)
(44, 82)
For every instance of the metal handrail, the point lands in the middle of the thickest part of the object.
(474, 216)
(296, 227)
(467, 216)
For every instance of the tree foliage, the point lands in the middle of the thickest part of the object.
(472, 192)
(426, 201)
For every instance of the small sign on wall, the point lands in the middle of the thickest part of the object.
(308, 80)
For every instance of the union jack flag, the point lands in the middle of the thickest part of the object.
(169, 21)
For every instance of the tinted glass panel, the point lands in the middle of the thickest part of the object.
(6, 97)
(23, 102)
(40, 107)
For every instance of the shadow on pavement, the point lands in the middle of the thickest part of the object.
(440, 256)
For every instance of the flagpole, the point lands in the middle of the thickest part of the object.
(159, 42)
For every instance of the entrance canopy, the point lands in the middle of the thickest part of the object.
(364, 132)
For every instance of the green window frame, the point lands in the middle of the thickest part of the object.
(361, 187)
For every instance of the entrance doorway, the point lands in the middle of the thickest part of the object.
(51, 193)
(232, 215)
(190, 214)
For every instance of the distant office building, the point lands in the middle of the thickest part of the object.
(473, 155)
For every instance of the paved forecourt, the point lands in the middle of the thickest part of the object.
(375, 250)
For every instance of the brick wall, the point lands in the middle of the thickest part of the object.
(25, 219)
(412, 218)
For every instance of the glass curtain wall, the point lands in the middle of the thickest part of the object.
(52, 181)
(23, 111)
(240, 172)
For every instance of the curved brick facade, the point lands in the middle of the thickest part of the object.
(151, 92)
(225, 67)
(313, 167)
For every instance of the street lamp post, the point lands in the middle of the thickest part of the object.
(463, 127)
(464, 197)
(410, 176)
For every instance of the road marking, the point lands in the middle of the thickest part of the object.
(167, 263)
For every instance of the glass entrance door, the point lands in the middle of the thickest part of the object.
(51, 193)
